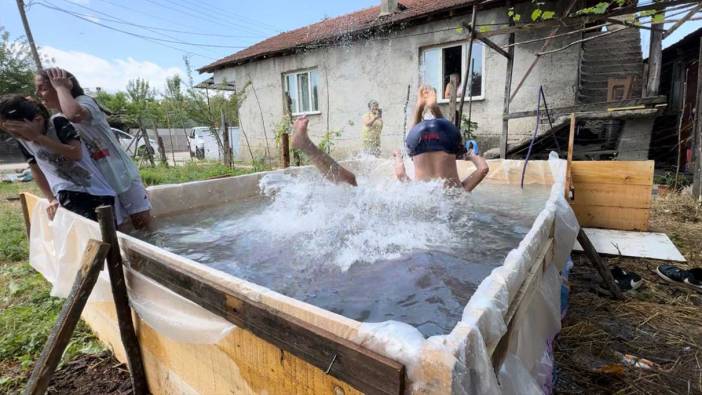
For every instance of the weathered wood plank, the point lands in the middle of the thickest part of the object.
(68, 318)
(612, 217)
(365, 370)
(613, 195)
(613, 172)
(119, 294)
(599, 265)
(593, 107)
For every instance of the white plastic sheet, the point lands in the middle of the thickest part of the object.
(56, 248)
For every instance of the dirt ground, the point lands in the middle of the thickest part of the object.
(91, 374)
(659, 322)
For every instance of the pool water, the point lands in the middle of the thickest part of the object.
(410, 252)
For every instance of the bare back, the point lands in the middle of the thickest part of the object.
(436, 165)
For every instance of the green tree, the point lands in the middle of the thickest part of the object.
(16, 66)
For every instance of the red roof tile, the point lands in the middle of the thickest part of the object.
(330, 30)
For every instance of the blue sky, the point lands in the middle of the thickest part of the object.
(108, 58)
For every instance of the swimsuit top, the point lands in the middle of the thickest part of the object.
(434, 135)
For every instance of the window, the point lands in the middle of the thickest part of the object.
(438, 63)
(303, 90)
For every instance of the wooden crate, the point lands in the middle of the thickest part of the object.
(612, 194)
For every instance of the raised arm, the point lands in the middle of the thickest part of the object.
(481, 170)
(69, 106)
(69, 147)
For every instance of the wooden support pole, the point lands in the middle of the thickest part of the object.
(285, 149)
(227, 154)
(569, 163)
(504, 136)
(161, 150)
(655, 61)
(599, 265)
(468, 75)
(147, 143)
(119, 294)
(453, 95)
(697, 140)
(25, 214)
(90, 267)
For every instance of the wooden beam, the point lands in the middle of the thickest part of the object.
(628, 24)
(599, 265)
(569, 163)
(119, 294)
(492, 45)
(25, 214)
(60, 336)
(504, 136)
(285, 150)
(543, 48)
(468, 75)
(577, 21)
(591, 107)
(453, 95)
(680, 22)
(655, 61)
(697, 138)
(365, 370)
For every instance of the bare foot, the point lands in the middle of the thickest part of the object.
(400, 171)
(300, 139)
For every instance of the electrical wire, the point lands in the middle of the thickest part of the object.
(224, 14)
(276, 29)
(151, 28)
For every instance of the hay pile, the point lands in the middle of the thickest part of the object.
(601, 339)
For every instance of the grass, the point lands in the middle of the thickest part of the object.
(190, 171)
(27, 311)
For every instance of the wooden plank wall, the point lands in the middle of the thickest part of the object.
(613, 194)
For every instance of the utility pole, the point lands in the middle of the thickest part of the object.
(28, 32)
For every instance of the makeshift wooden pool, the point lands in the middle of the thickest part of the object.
(280, 345)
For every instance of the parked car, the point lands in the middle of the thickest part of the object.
(133, 145)
(203, 144)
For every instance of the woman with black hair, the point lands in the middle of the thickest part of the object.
(61, 91)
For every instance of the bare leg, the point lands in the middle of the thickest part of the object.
(142, 220)
(400, 171)
(326, 165)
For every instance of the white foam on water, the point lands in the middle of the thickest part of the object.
(379, 219)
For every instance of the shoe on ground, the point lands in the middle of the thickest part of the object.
(691, 278)
(627, 281)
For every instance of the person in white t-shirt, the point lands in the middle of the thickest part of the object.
(58, 158)
(60, 91)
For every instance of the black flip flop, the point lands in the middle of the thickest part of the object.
(627, 281)
(691, 278)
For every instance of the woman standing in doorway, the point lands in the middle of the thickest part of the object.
(60, 91)
(372, 127)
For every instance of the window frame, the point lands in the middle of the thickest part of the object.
(464, 54)
(296, 73)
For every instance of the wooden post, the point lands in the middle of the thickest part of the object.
(655, 59)
(28, 32)
(453, 93)
(697, 140)
(571, 143)
(25, 214)
(149, 149)
(470, 56)
(504, 137)
(161, 150)
(119, 294)
(225, 140)
(285, 149)
(60, 336)
(598, 264)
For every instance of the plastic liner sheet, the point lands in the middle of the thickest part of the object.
(459, 362)
(56, 248)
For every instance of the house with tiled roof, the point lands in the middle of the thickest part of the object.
(330, 71)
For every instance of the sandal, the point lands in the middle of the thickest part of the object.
(626, 281)
(691, 278)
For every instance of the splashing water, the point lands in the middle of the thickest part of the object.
(413, 252)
